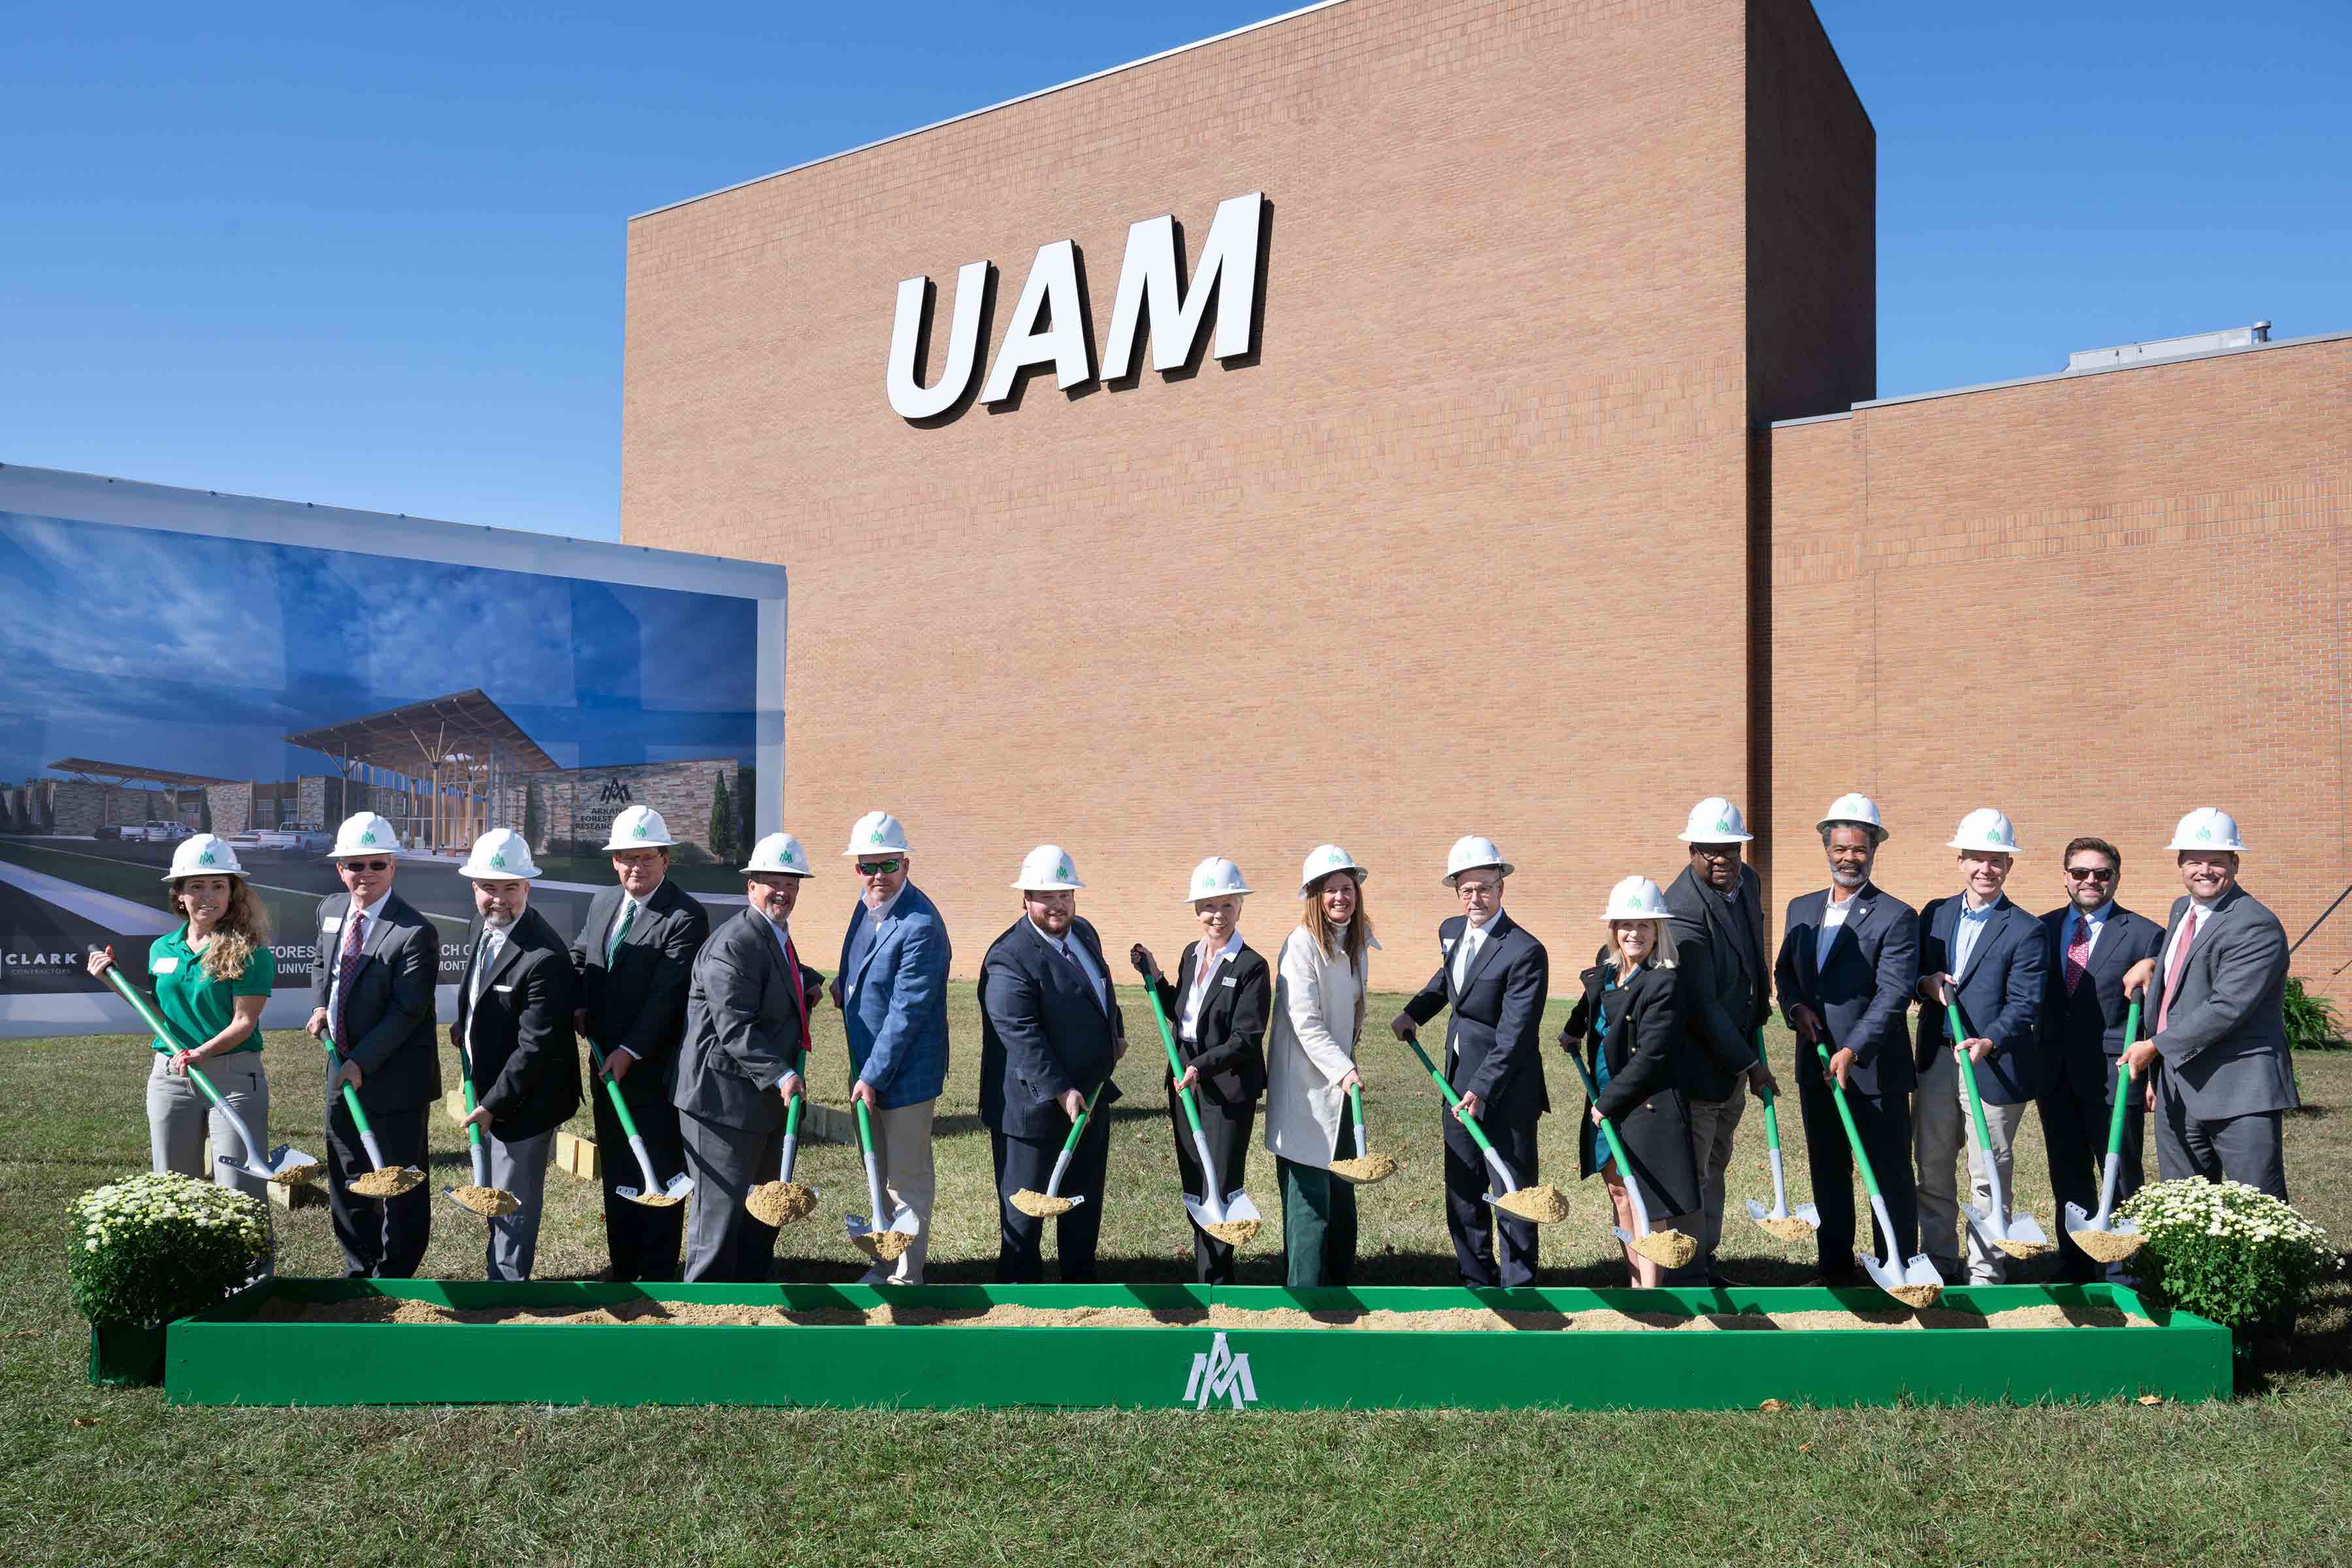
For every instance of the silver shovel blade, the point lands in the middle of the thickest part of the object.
(1756, 1211)
(1619, 1231)
(1988, 1229)
(2077, 1220)
(857, 1226)
(1238, 1206)
(1202, 1214)
(1809, 1214)
(680, 1186)
(1805, 1212)
(905, 1222)
(1920, 1269)
(2024, 1228)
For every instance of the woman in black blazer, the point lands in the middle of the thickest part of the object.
(1218, 1008)
(1629, 1017)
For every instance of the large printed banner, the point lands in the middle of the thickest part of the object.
(181, 662)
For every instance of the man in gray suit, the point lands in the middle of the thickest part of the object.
(2221, 1028)
(1726, 991)
(740, 1065)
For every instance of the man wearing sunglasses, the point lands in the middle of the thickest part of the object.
(2093, 943)
(371, 991)
(892, 993)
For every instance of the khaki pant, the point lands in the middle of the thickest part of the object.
(902, 1148)
(1712, 1123)
(1941, 1127)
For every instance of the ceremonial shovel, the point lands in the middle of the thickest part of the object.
(1780, 1222)
(1543, 1204)
(780, 1202)
(382, 1181)
(1915, 1284)
(285, 1165)
(653, 1195)
(2019, 1234)
(884, 1243)
(1667, 1248)
(1364, 1169)
(481, 1198)
(1038, 1205)
(1231, 1218)
(2101, 1236)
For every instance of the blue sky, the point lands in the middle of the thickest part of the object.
(200, 655)
(372, 255)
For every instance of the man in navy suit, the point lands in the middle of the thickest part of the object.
(1849, 959)
(1982, 953)
(1050, 1033)
(1494, 974)
(892, 990)
(2091, 942)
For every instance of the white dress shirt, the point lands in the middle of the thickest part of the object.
(1204, 969)
(1466, 950)
(370, 914)
(1834, 919)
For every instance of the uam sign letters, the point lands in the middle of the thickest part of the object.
(1049, 326)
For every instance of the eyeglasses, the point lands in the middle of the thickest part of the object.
(2090, 873)
(877, 867)
(1476, 889)
(1717, 851)
(365, 865)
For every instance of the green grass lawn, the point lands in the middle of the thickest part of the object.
(91, 1474)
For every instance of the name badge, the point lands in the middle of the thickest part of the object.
(501, 990)
(1446, 943)
(1228, 983)
(333, 922)
(164, 966)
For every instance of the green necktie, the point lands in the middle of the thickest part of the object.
(619, 929)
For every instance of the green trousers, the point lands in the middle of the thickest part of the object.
(1319, 1227)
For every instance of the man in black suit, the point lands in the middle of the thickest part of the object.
(1494, 976)
(1726, 995)
(746, 1039)
(2092, 942)
(1050, 1033)
(1849, 959)
(635, 957)
(371, 993)
(514, 1034)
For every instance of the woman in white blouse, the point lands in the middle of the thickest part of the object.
(1319, 1013)
(1218, 1008)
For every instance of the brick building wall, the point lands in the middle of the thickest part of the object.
(2093, 602)
(1462, 546)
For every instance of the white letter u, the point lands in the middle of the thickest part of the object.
(907, 394)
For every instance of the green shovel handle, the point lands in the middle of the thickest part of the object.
(1968, 1077)
(612, 1092)
(1845, 1116)
(350, 1095)
(2122, 1082)
(1356, 1104)
(1175, 1065)
(1608, 1128)
(164, 1031)
(473, 1128)
(1478, 1134)
(1771, 1116)
(865, 1129)
(1078, 1127)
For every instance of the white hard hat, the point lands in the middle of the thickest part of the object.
(1985, 829)
(780, 855)
(1469, 853)
(638, 827)
(203, 856)
(364, 833)
(1856, 810)
(502, 855)
(1323, 859)
(1046, 870)
(877, 833)
(1714, 820)
(1216, 878)
(1636, 898)
(2207, 828)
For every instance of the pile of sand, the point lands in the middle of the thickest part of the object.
(1449, 1320)
(389, 1181)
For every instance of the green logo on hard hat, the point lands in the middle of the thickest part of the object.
(367, 836)
(874, 837)
(499, 861)
(639, 831)
(2205, 835)
(1064, 871)
(1724, 825)
(207, 857)
(785, 854)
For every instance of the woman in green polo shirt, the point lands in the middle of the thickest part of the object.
(212, 978)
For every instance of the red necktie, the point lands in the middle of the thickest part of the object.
(799, 997)
(2172, 970)
(2078, 954)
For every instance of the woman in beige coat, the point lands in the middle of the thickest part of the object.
(1318, 1014)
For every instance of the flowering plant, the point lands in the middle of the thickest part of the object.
(149, 1248)
(2227, 1252)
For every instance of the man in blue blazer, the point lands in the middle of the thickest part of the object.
(1050, 1033)
(1983, 953)
(1849, 959)
(2091, 943)
(891, 989)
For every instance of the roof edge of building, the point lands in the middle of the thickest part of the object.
(993, 108)
(2304, 342)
